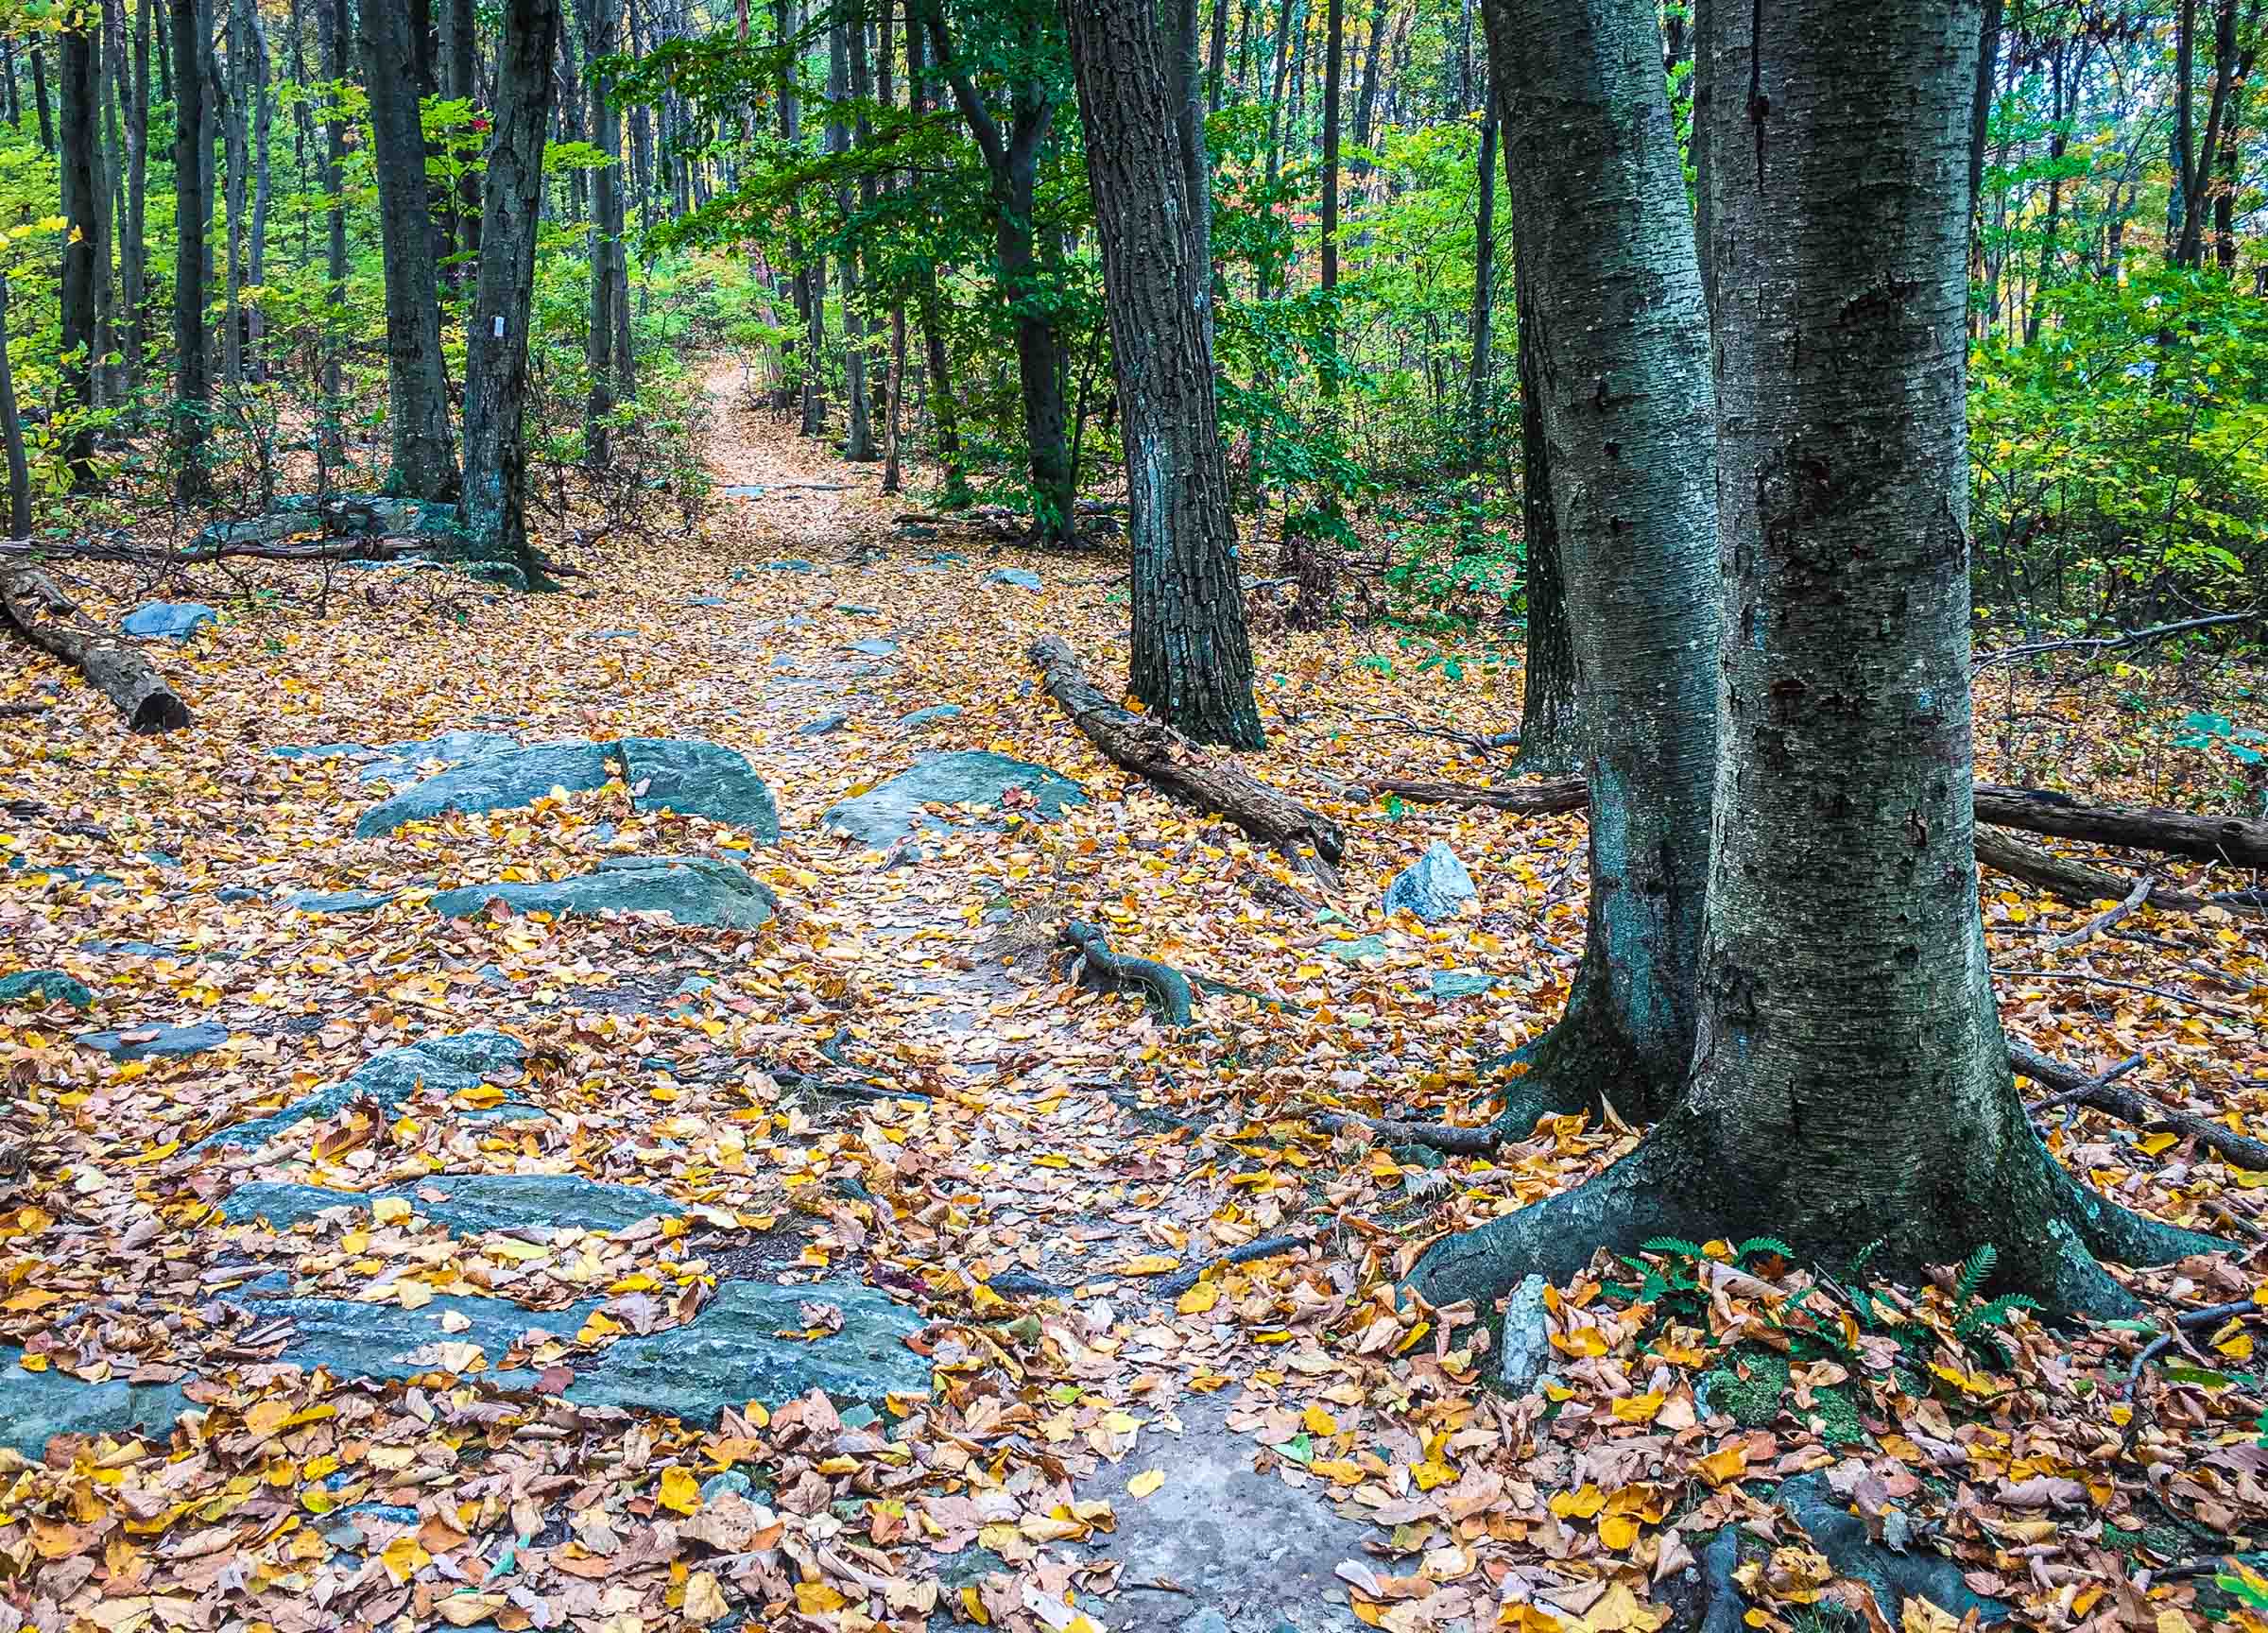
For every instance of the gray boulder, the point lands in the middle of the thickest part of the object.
(36, 1406)
(699, 890)
(169, 1042)
(887, 812)
(44, 987)
(1433, 888)
(446, 1065)
(1525, 1353)
(475, 1203)
(168, 620)
(1451, 985)
(1894, 1577)
(1014, 577)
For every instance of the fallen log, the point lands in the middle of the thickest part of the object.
(2076, 883)
(2170, 833)
(1158, 752)
(2128, 1105)
(47, 618)
(1527, 798)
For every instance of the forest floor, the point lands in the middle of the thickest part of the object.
(811, 1273)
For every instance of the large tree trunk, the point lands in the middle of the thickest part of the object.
(496, 339)
(1850, 1089)
(82, 204)
(425, 459)
(1607, 259)
(1191, 660)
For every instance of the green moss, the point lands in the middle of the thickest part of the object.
(1835, 1416)
(1752, 1402)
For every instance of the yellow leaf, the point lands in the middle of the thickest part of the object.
(1722, 1467)
(403, 1558)
(1198, 1299)
(1431, 1473)
(1618, 1531)
(704, 1600)
(1150, 1265)
(1579, 1504)
(32, 1298)
(681, 1493)
(413, 1295)
(1147, 1482)
(1639, 1408)
(2156, 1144)
(389, 1209)
(817, 1598)
(1317, 1421)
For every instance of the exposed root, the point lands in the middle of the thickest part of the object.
(1266, 1247)
(1167, 988)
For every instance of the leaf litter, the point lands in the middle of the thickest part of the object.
(1028, 1163)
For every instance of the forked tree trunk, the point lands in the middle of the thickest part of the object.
(1607, 258)
(1547, 711)
(1850, 1089)
(496, 341)
(1191, 660)
(425, 460)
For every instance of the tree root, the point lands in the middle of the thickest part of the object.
(1266, 1247)
(1167, 988)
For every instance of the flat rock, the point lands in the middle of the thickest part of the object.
(874, 646)
(30, 986)
(929, 716)
(446, 1065)
(1014, 577)
(890, 810)
(700, 890)
(787, 564)
(732, 1352)
(696, 777)
(858, 610)
(1450, 984)
(705, 601)
(1894, 1577)
(473, 1202)
(1358, 948)
(1433, 888)
(399, 762)
(823, 724)
(686, 775)
(491, 783)
(613, 634)
(168, 620)
(338, 901)
(166, 1042)
(36, 1406)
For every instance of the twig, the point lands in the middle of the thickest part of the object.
(2129, 1107)
(2098, 644)
(2065, 1097)
(2212, 1314)
(1479, 742)
(2090, 978)
(2104, 920)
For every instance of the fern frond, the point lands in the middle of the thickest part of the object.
(1995, 1314)
(1676, 1244)
(1770, 1245)
(1976, 1272)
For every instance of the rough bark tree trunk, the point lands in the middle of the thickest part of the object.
(423, 456)
(39, 92)
(1619, 348)
(1547, 712)
(1191, 660)
(496, 339)
(192, 372)
(1484, 294)
(846, 68)
(334, 25)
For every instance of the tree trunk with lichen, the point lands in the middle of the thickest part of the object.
(1616, 365)
(1850, 1089)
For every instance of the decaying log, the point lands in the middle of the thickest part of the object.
(47, 618)
(1154, 751)
(1527, 798)
(2128, 1105)
(2170, 833)
(2076, 883)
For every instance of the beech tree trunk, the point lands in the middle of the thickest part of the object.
(424, 458)
(1622, 385)
(1547, 712)
(609, 256)
(496, 338)
(1192, 659)
(333, 24)
(846, 68)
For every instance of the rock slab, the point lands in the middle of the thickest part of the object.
(686, 775)
(699, 890)
(472, 1202)
(169, 619)
(447, 1065)
(889, 811)
(45, 986)
(157, 1042)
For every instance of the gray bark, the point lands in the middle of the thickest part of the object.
(1191, 660)
(846, 61)
(81, 90)
(191, 371)
(424, 458)
(333, 24)
(1619, 351)
(496, 338)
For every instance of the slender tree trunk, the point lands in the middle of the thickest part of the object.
(496, 338)
(461, 83)
(81, 90)
(1216, 60)
(1483, 292)
(425, 460)
(334, 25)
(11, 94)
(1618, 353)
(892, 475)
(815, 331)
(11, 435)
(238, 138)
(1191, 660)
(846, 65)
(256, 254)
(1548, 705)
(1335, 30)
(39, 92)
(944, 409)
(193, 382)
(601, 21)
(134, 235)
(1366, 102)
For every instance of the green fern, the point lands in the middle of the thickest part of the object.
(1993, 1315)
(1756, 1245)
(1975, 1272)
(1676, 1244)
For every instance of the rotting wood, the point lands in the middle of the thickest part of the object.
(48, 619)
(1164, 756)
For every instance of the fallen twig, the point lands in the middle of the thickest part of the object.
(2100, 643)
(1266, 1247)
(2104, 920)
(2090, 978)
(2102, 1094)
